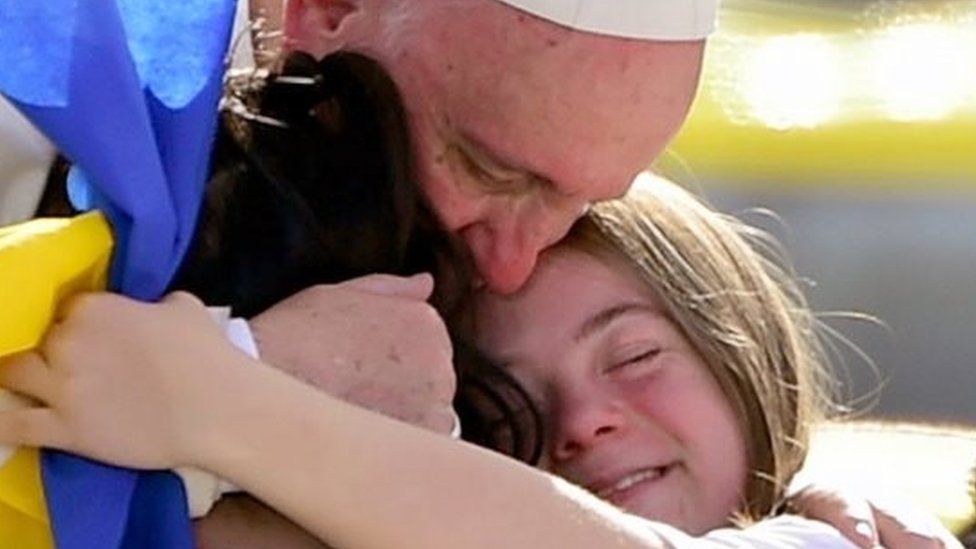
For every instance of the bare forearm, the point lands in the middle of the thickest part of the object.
(355, 478)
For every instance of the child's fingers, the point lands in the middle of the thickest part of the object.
(32, 427)
(28, 374)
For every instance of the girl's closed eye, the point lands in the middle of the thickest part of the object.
(635, 362)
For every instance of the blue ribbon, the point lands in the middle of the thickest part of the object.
(128, 91)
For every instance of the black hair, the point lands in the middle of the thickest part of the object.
(318, 188)
(312, 182)
(494, 408)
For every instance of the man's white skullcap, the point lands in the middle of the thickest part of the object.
(644, 19)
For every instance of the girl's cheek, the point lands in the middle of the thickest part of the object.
(667, 394)
(648, 395)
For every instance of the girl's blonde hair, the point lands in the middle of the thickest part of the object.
(740, 310)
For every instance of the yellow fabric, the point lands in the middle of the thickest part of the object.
(41, 262)
(23, 512)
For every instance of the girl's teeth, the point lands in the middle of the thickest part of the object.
(631, 480)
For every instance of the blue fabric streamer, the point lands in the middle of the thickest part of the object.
(159, 499)
(90, 507)
(174, 45)
(85, 196)
(136, 113)
(36, 71)
(107, 131)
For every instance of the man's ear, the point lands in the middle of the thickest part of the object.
(318, 27)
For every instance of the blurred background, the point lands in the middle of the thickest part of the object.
(855, 123)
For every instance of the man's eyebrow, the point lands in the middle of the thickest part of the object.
(605, 317)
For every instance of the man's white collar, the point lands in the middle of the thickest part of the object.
(642, 19)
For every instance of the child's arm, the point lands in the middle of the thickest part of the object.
(157, 386)
(357, 479)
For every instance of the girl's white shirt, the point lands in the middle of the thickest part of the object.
(782, 532)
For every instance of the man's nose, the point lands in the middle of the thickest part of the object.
(505, 253)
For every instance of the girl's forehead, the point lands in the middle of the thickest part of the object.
(568, 287)
(561, 271)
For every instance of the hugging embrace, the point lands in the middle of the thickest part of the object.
(628, 369)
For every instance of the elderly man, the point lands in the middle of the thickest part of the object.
(521, 122)
(523, 111)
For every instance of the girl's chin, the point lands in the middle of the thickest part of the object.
(672, 507)
(659, 499)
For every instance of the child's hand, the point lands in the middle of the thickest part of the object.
(121, 381)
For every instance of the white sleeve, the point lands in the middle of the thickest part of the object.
(204, 489)
(782, 532)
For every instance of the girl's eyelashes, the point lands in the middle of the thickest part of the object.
(641, 358)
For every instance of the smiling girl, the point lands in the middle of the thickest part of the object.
(675, 370)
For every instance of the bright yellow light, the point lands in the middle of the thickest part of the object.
(922, 71)
(792, 81)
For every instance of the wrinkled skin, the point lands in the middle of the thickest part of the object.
(390, 352)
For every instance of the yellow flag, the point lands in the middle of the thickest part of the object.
(41, 262)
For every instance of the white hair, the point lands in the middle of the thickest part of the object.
(402, 18)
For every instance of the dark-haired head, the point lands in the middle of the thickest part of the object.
(316, 186)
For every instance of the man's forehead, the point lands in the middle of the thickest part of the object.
(638, 19)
